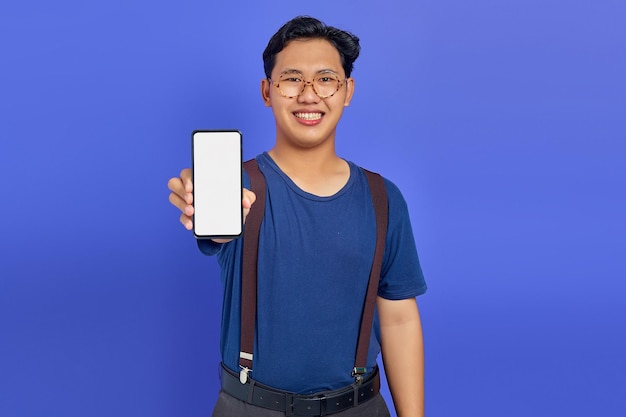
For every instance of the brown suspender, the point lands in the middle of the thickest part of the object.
(250, 262)
(379, 198)
(249, 268)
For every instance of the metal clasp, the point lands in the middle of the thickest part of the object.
(243, 374)
(357, 373)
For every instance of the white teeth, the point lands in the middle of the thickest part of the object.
(309, 116)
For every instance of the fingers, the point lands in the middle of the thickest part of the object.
(176, 186)
(181, 196)
(186, 209)
(185, 176)
(186, 221)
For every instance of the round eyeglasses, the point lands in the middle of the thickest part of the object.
(291, 85)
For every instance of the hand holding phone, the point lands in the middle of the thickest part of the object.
(217, 184)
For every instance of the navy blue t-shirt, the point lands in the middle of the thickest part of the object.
(315, 254)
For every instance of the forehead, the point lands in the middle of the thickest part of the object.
(308, 56)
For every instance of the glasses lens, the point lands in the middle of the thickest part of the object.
(290, 85)
(326, 85)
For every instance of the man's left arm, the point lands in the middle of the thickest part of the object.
(403, 354)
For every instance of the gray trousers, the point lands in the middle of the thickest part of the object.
(228, 406)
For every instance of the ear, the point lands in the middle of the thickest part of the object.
(265, 92)
(349, 91)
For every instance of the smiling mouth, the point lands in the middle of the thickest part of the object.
(309, 116)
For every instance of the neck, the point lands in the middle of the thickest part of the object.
(316, 171)
(304, 162)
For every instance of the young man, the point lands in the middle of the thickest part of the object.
(315, 252)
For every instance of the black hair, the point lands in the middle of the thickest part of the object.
(306, 27)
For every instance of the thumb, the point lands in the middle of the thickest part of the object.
(248, 198)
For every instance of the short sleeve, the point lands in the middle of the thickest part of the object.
(401, 275)
(208, 247)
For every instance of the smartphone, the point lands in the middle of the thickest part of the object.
(217, 183)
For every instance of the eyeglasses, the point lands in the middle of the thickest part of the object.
(292, 84)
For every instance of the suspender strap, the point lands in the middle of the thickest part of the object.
(250, 262)
(249, 268)
(381, 209)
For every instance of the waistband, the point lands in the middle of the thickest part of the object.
(320, 404)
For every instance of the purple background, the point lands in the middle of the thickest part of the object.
(503, 123)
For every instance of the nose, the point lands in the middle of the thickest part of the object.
(308, 95)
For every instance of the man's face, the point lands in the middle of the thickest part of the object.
(306, 121)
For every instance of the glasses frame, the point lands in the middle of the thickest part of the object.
(305, 83)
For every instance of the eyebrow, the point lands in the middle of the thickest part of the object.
(295, 71)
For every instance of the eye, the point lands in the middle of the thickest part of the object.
(291, 80)
(326, 79)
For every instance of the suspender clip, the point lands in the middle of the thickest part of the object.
(243, 374)
(357, 373)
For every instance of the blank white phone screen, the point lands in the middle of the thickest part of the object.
(217, 184)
